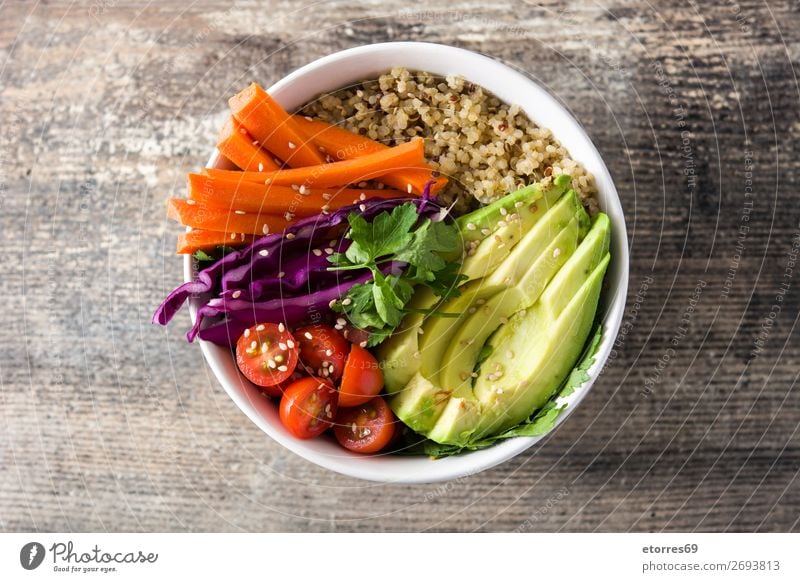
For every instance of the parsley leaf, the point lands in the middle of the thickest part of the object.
(424, 246)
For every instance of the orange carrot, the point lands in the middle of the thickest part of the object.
(275, 129)
(407, 155)
(189, 242)
(237, 145)
(229, 193)
(341, 144)
(206, 218)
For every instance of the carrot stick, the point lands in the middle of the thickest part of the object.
(189, 242)
(342, 144)
(207, 218)
(267, 122)
(229, 193)
(237, 145)
(407, 155)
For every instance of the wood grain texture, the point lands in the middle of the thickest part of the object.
(111, 424)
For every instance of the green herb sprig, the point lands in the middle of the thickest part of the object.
(378, 306)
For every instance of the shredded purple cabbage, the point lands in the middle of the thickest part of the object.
(248, 287)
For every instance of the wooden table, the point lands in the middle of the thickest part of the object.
(109, 423)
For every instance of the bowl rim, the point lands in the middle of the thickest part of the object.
(467, 463)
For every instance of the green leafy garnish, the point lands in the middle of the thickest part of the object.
(379, 306)
(543, 420)
(215, 255)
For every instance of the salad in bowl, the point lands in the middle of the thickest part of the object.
(407, 267)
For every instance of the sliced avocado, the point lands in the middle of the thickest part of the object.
(460, 357)
(488, 217)
(419, 403)
(533, 354)
(497, 242)
(513, 268)
(399, 355)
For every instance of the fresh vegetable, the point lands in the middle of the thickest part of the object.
(362, 379)
(237, 145)
(408, 155)
(544, 419)
(252, 269)
(423, 245)
(341, 144)
(367, 428)
(266, 354)
(224, 190)
(189, 213)
(273, 128)
(308, 407)
(197, 239)
(323, 350)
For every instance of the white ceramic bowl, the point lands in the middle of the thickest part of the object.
(367, 62)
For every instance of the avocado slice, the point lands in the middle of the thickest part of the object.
(399, 356)
(460, 357)
(534, 353)
(527, 206)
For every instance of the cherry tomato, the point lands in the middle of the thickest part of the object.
(323, 349)
(277, 390)
(362, 378)
(266, 354)
(308, 407)
(367, 428)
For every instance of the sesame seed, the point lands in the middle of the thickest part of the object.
(471, 226)
(281, 275)
(265, 229)
(282, 346)
(239, 212)
(420, 331)
(317, 252)
(233, 236)
(295, 187)
(327, 196)
(263, 252)
(268, 181)
(264, 347)
(255, 142)
(328, 251)
(332, 303)
(282, 369)
(303, 190)
(409, 189)
(363, 344)
(291, 145)
(253, 345)
(190, 202)
(271, 363)
(308, 335)
(247, 333)
(290, 235)
(502, 223)
(329, 353)
(242, 131)
(279, 358)
(289, 217)
(326, 208)
(503, 211)
(236, 294)
(362, 184)
(260, 327)
(341, 320)
(325, 372)
(474, 375)
(362, 207)
(362, 196)
(486, 232)
(260, 167)
(347, 301)
(556, 253)
(518, 204)
(281, 327)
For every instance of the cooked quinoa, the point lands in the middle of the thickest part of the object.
(486, 148)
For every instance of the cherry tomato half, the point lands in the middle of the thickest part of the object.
(367, 428)
(266, 354)
(308, 407)
(277, 390)
(362, 378)
(323, 349)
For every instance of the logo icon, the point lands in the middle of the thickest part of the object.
(31, 555)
